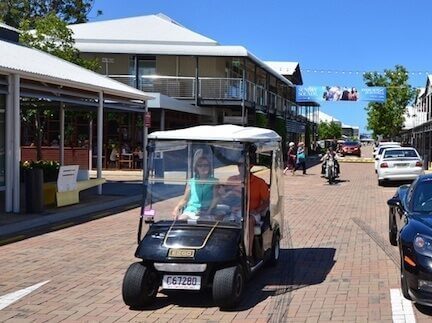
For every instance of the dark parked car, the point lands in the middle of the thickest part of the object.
(410, 227)
(351, 148)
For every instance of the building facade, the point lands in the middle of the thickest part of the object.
(194, 79)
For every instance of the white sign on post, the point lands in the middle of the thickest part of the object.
(67, 178)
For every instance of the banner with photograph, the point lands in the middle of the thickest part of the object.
(339, 93)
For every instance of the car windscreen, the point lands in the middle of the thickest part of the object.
(353, 143)
(422, 199)
(400, 153)
(196, 182)
(380, 151)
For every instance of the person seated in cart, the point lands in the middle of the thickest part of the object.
(259, 198)
(199, 196)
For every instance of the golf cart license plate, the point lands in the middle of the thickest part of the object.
(181, 282)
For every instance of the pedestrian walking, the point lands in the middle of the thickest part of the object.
(291, 158)
(301, 158)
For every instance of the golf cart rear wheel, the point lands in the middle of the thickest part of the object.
(140, 286)
(228, 285)
(275, 251)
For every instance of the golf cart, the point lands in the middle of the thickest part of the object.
(198, 230)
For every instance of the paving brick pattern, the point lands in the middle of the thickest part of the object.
(336, 265)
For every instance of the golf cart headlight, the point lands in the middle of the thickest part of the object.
(423, 245)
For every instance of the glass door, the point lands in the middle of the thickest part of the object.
(146, 71)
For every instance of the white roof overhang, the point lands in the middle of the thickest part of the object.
(39, 66)
(219, 133)
(114, 47)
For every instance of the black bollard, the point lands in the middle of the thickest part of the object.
(34, 190)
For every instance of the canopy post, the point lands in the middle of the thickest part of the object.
(62, 133)
(16, 143)
(9, 146)
(100, 139)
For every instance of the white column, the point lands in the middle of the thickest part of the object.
(16, 143)
(91, 144)
(100, 139)
(9, 147)
(62, 131)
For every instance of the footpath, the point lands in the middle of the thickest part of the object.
(122, 192)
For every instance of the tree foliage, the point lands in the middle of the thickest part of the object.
(14, 12)
(329, 130)
(387, 119)
(51, 35)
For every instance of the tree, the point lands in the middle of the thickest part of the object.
(14, 12)
(387, 119)
(50, 35)
(329, 130)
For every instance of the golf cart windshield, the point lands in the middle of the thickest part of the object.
(196, 182)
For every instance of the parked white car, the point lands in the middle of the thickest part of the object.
(383, 144)
(379, 152)
(399, 164)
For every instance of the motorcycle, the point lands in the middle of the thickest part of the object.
(330, 172)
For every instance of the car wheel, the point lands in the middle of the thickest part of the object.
(380, 182)
(392, 230)
(140, 286)
(404, 283)
(275, 251)
(228, 285)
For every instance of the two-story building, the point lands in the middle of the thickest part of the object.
(418, 132)
(193, 78)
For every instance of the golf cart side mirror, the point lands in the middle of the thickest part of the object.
(394, 202)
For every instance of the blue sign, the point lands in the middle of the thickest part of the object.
(338, 93)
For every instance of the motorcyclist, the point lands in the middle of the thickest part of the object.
(330, 153)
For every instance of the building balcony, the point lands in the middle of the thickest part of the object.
(213, 91)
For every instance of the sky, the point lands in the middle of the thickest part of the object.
(323, 36)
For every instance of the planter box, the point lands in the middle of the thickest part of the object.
(73, 156)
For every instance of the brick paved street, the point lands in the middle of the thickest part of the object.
(336, 265)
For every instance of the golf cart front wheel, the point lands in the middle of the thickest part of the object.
(140, 286)
(228, 285)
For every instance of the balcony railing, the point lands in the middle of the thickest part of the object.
(175, 87)
(220, 88)
(209, 88)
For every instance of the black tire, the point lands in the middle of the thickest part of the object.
(140, 286)
(380, 182)
(330, 176)
(404, 283)
(275, 251)
(228, 285)
(392, 229)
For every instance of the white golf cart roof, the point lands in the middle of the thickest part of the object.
(226, 132)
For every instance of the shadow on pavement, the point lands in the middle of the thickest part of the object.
(394, 184)
(426, 310)
(297, 268)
